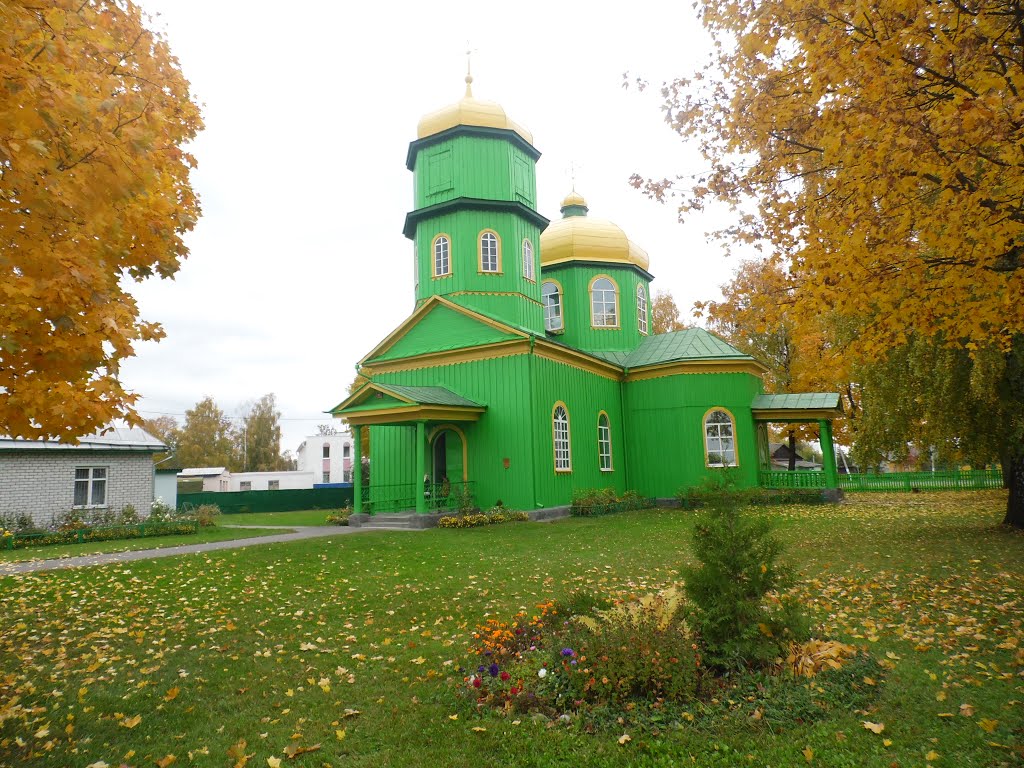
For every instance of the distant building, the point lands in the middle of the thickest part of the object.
(221, 480)
(109, 470)
(328, 457)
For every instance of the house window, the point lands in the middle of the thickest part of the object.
(346, 451)
(560, 429)
(641, 308)
(489, 260)
(442, 253)
(551, 295)
(720, 439)
(528, 260)
(245, 485)
(327, 477)
(327, 450)
(604, 442)
(90, 487)
(273, 485)
(603, 304)
(346, 476)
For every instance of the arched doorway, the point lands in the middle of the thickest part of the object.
(448, 455)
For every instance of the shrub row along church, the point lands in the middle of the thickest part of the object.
(528, 368)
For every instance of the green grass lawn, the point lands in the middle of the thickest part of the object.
(202, 536)
(303, 517)
(347, 646)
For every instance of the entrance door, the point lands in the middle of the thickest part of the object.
(446, 452)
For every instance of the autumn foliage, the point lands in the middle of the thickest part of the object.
(94, 192)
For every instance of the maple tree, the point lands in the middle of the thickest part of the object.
(94, 188)
(873, 148)
(665, 314)
(207, 439)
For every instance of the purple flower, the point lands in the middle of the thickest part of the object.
(481, 669)
(568, 652)
(493, 669)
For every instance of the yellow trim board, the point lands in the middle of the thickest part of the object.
(449, 357)
(414, 413)
(696, 366)
(793, 415)
(581, 360)
(465, 447)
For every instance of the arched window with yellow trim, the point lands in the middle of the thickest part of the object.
(551, 296)
(720, 438)
(490, 252)
(641, 308)
(442, 256)
(604, 301)
(560, 434)
(604, 442)
(528, 268)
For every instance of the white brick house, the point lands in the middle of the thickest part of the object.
(328, 457)
(42, 478)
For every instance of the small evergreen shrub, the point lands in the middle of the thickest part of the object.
(742, 620)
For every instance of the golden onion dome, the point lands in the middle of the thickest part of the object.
(469, 111)
(578, 237)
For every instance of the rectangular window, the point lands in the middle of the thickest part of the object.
(327, 451)
(245, 485)
(90, 487)
(346, 451)
(327, 477)
(273, 485)
(346, 476)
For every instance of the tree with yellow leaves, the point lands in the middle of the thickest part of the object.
(880, 144)
(94, 188)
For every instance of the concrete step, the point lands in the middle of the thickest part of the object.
(392, 522)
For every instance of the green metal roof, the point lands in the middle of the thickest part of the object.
(428, 395)
(691, 344)
(798, 401)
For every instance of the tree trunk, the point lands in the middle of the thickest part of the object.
(1013, 474)
(792, 451)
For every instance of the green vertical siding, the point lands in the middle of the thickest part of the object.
(575, 280)
(484, 167)
(503, 431)
(665, 428)
(585, 395)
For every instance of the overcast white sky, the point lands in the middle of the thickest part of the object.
(298, 266)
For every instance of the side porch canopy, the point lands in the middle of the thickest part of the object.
(388, 404)
(803, 408)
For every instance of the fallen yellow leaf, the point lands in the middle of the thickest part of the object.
(274, 762)
(171, 695)
(987, 725)
(808, 754)
(933, 755)
(624, 738)
(131, 722)
(874, 727)
(340, 733)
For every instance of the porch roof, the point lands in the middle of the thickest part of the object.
(376, 403)
(797, 407)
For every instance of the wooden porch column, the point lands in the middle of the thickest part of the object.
(828, 454)
(357, 469)
(421, 439)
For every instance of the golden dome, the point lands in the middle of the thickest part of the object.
(469, 111)
(582, 238)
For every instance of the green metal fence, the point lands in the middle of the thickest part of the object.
(98, 533)
(963, 480)
(286, 500)
(401, 497)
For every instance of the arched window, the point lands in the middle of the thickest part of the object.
(551, 295)
(490, 260)
(442, 256)
(604, 442)
(720, 438)
(641, 308)
(528, 260)
(560, 431)
(604, 311)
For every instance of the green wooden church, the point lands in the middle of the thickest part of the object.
(528, 368)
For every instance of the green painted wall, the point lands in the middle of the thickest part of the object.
(504, 431)
(512, 297)
(585, 395)
(575, 278)
(476, 165)
(665, 428)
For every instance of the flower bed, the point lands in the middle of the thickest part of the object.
(490, 517)
(11, 540)
(589, 502)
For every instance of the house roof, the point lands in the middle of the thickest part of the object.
(113, 439)
(202, 471)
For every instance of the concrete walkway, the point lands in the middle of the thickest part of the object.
(300, 532)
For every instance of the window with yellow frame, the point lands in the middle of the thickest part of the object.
(560, 434)
(442, 248)
(720, 438)
(490, 252)
(604, 303)
(604, 442)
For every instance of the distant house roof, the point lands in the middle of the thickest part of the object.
(114, 439)
(202, 472)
